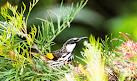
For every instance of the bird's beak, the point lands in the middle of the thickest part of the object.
(79, 39)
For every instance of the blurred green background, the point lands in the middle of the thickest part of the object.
(99, 17)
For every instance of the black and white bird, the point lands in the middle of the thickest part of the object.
(65, 54)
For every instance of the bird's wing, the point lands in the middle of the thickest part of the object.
(57, 54)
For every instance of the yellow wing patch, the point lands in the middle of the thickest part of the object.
(49, 56)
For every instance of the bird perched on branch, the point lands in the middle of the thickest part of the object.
(65, 54)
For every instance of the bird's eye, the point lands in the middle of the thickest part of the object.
(71, 42)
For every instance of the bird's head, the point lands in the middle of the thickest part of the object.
(71, 43)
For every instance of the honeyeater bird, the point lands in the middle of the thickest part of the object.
(65, 54)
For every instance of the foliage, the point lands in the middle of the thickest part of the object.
(105, 65)
(95, 67)
(18, 62)
(24, 53)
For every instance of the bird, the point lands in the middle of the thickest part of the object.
(65, 54)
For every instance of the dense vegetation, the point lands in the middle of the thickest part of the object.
(23, 52)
